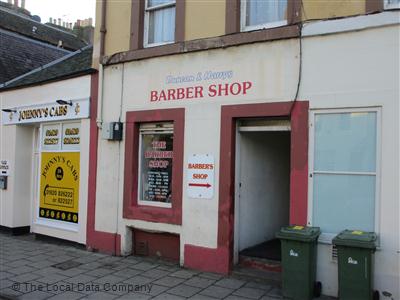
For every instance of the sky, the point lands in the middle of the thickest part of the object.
(67, 10)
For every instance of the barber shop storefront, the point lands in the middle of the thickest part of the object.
(222, 148)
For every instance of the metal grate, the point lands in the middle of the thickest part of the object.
(66, 265)
(141, 248)
(334, 253)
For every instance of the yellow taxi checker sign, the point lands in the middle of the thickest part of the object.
(298, 227)
(357, 232)
(59, 186)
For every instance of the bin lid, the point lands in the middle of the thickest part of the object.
(299, 233)
(356, 238)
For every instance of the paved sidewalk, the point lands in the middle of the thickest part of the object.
(28, 270)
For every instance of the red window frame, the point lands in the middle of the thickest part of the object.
(132, 209)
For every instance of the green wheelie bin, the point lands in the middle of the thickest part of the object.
(299, 255)
(355, 249)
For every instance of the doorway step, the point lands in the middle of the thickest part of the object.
(261, 264)
(270, 250)
(259, 270)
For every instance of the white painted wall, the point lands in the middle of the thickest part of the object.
(360, 72)
(352, 69)
(265, 186)
(202, 126)
(18, 204)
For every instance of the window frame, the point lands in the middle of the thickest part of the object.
(326, 237)
(147, 11)
(244, 28)
(146, 202)
(388, 6)
(131, 207)
(37, 219)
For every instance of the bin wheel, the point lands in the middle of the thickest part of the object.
(318, 289)
(375, 295)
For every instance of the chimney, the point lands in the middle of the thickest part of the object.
(59, 22)
(50, 20)
(16, 3)
(22, 3)
(63, 24)
(9, 1)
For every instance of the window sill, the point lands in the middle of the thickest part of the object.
(154, 204)
(392, 7)
(230, 40)
(265, 26)
(157, 44)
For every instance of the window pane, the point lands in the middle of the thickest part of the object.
(344, 202)
(265, 11)
(156, 161)
(151, 3)
(345, 142)
(162, 25)
(51, 137)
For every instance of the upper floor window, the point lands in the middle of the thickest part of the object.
(392, 4)
(159, 22)
(257, 14)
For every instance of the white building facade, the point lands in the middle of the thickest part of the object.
(45, 144)
(223, 147)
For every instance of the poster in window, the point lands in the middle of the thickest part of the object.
(156, 159)
(59, 186)
(51, 137)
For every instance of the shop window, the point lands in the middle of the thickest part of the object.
(258, 14)
(389, 4)
(344, 177)
(155, 164)
(159, 22)
(61, 137)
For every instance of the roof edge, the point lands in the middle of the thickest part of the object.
(54, 62)
(55, 79)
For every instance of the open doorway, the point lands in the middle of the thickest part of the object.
(262, 193)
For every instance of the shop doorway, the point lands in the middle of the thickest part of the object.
(262, 188)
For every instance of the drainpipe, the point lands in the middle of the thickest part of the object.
(103, 31)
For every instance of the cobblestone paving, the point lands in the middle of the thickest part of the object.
(27, 272)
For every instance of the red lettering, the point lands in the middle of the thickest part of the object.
(212, 92)
(158, 164)
(162, 95)
(181, 93)
(198, 92)
(238, 88)
(153, 96)
(200, 176)
(171, 94)
(222, 89)
(189, 92)
(201, 166)
(246, 85)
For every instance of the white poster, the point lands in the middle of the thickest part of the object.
(200, 176)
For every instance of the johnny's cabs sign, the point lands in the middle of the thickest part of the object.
(59, 186)
(47, 112)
